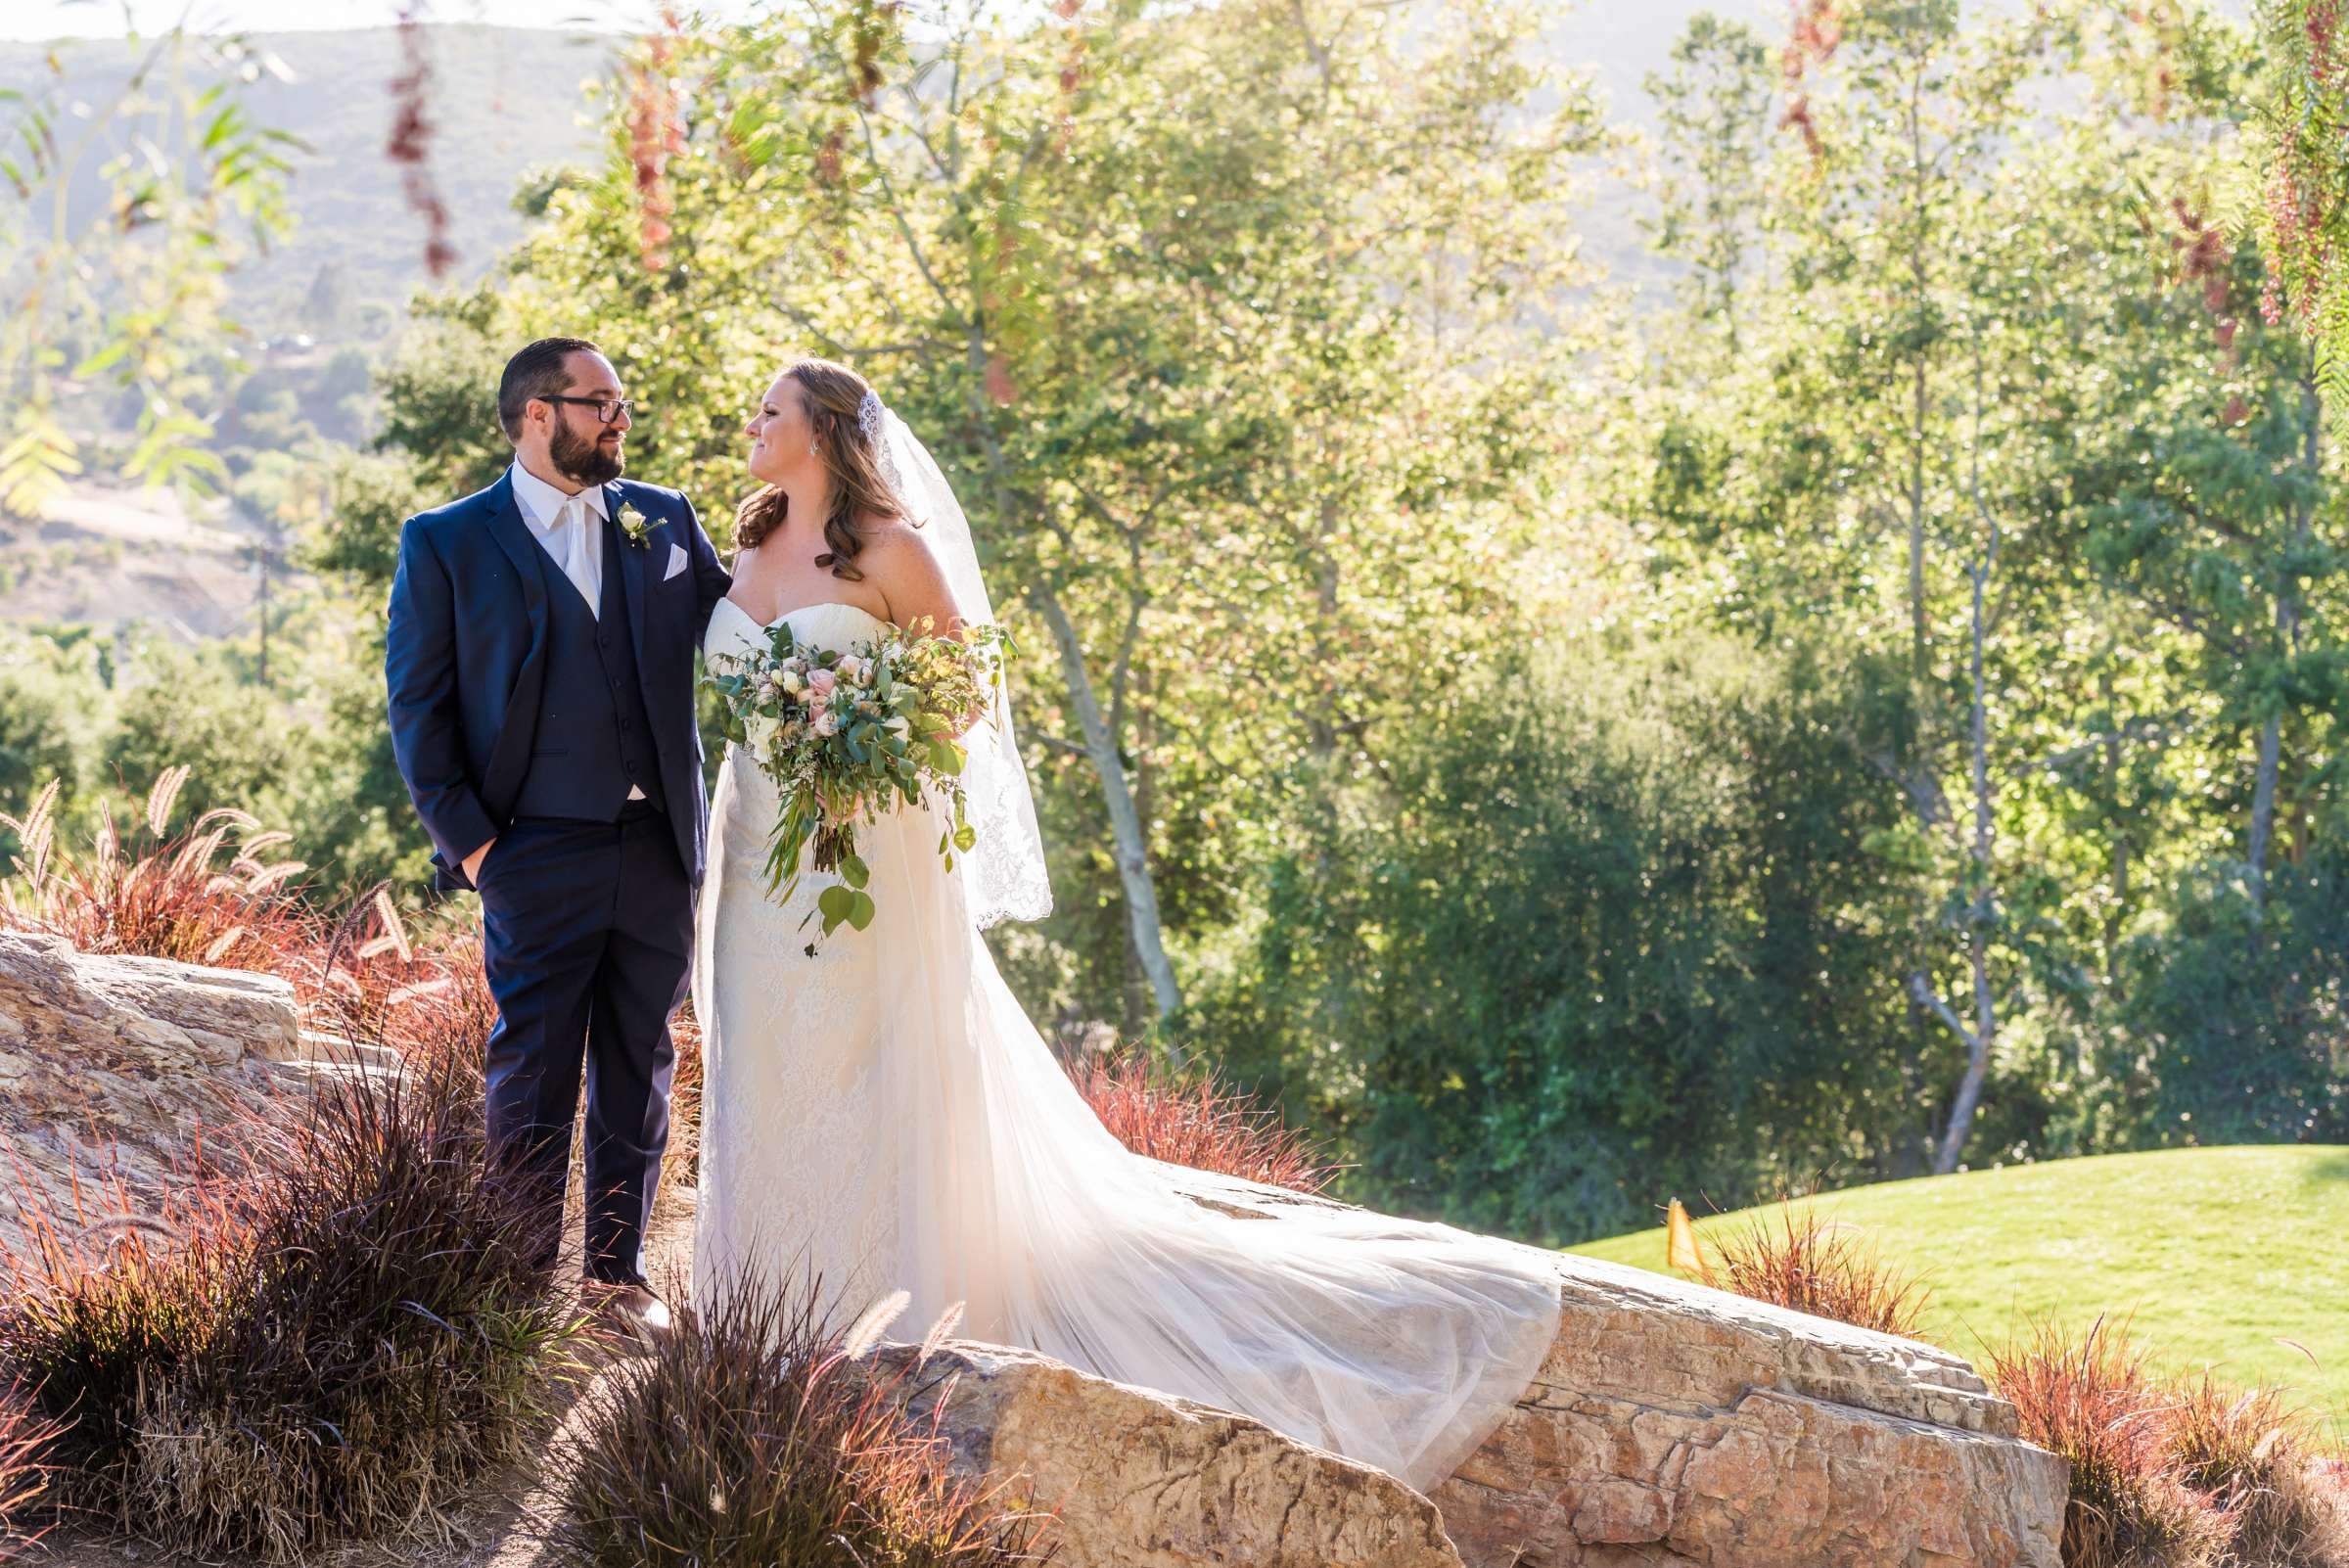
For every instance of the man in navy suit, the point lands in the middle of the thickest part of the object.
(539, 663)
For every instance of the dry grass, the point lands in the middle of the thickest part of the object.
(1194, 1120)
(2094, 1403)
(745, 1440)
(341, 1347)
(2255, 1455)
(23, 1478)
(1818, 1266)
(204, 896)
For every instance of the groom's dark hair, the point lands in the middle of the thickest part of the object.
(536, 372)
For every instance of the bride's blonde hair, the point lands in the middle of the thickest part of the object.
(832, 394)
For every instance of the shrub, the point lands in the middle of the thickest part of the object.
(335, 1348)
(744, 1439)
(2254, 1455)
(1818, 1265)
(157, 897)
(95, 1313)
(2094, 1403)
(1194, 1120)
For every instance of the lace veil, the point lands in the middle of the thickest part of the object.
(1004, 875)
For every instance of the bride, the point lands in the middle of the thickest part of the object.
(881, 1112)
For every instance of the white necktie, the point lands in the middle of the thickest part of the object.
(578, 563)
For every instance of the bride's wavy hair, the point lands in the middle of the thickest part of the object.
(832, 395)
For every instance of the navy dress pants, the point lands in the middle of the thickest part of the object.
(587, 931)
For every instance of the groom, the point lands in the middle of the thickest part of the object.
(539, 662)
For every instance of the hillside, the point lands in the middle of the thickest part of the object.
(2231, 1257)
(507, 100)
(504, 101)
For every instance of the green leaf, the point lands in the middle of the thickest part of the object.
(965, 836)
(836, 903)
(104, 358)
(860, 910)
(854, 872)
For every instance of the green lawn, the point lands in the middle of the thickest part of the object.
(2221, 1254)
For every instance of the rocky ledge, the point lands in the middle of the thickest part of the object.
(113, 1071)
(1677, 1425)
(1672, 1426)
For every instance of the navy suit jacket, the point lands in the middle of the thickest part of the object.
(464, 658)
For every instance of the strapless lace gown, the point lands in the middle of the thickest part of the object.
(885, 1114)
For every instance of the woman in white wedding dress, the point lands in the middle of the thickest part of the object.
(883, 1113)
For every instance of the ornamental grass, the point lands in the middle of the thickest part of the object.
(23, 1478)
(201, 896)
(1818, 1265)
(747, 1438)
(2093, 1401)
(1194, 1119)
(2258, 1459)
(344, 1344)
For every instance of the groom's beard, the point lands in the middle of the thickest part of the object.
(582, 460)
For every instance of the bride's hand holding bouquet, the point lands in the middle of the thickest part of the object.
(848, 736)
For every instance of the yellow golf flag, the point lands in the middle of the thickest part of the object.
(1679, 1241)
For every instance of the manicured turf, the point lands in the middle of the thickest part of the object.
(2220, 1254)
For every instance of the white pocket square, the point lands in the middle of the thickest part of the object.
(677, 561)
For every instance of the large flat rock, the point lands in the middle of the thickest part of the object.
(1673, 1425)
(114, 1069)
(1140, 1479)
(1677, 1425)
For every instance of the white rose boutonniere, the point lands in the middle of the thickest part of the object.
(638, 532)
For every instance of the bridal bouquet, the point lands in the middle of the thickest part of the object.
(849, 735)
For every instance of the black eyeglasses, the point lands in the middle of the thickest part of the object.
(607, 410)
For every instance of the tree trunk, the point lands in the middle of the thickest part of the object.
(1977, 1065)
(2117, 914)
(1130, 846)
(2263, 799)
(2287, 643)
(1982, 910)
(1918, 663)
(1919, 402)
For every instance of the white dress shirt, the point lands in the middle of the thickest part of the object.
(570, 527)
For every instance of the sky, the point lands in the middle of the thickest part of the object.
(37, 19)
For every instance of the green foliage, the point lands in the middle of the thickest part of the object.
(310, 751)
(1215, 448)
(1613, 941)
(132, 293)
(2007, 416)
(2228, 998)
(44, 730)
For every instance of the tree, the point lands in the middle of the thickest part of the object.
(131, 289)
(1211, 445)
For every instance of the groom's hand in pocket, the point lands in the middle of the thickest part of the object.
(473, 865)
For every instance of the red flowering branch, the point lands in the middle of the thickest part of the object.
(410, 143)
(1816, 30)
(2306, 173)
(1071, 70)
(656, 133)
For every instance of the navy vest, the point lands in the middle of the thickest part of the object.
(594, 738)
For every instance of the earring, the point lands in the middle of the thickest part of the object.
(812, 449)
